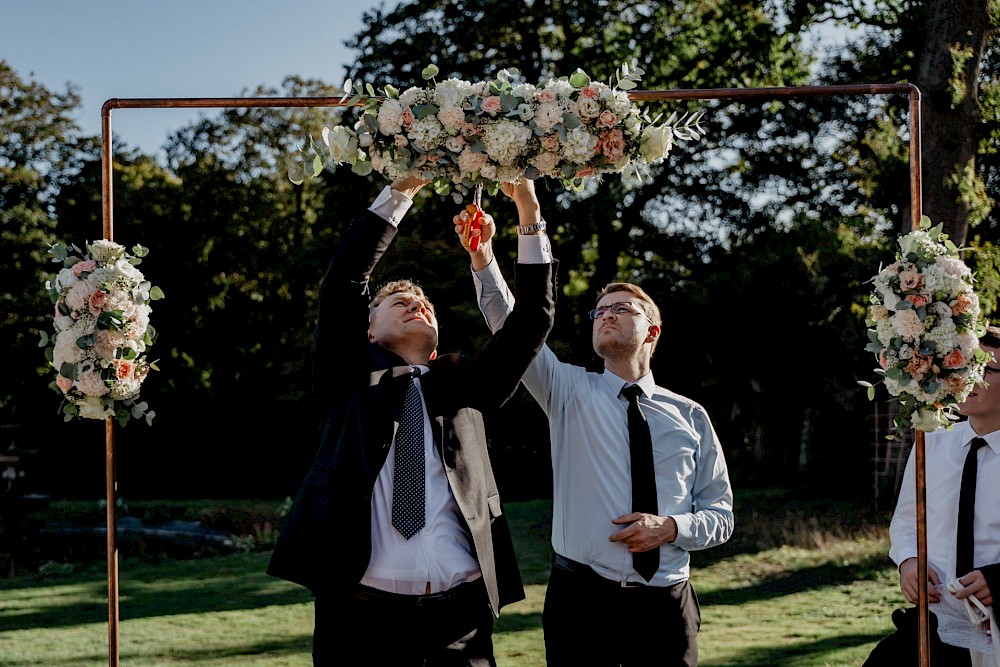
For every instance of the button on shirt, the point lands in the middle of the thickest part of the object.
(588, 430)
(944, 457)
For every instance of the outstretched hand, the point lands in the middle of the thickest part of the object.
(483, 253)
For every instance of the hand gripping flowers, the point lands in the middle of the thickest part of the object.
(461, 134)
(925, 331)
(102, 331)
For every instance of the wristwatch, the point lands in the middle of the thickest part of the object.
(531, 229)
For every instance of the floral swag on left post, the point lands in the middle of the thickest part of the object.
(102, 330)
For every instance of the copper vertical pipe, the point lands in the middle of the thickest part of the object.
(111, 482)
(916, 212)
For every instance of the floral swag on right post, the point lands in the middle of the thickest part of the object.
(925, 328)
(461, 135)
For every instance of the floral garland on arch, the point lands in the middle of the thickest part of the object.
(925, 328)
(460, 134)
(102, 331)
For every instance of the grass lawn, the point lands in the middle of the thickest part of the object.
(795, 587)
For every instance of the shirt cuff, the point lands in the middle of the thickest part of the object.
(391, 205)
(533, 249)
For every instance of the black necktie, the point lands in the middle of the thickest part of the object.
(967, 511)
(408, 475)
(643, 478)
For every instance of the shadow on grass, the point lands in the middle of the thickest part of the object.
(769, 656)
(797, 581)
(292, 646)
(514, 622)
(184, 587)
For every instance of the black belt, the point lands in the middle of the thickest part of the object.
(575, 567)
(470, 590)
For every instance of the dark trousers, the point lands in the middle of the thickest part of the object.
(592, 621)
(370, 627)
(901, 648)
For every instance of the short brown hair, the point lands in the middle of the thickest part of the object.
(398, 287)
(648, 305)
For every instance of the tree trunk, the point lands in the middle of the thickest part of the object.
(948, 78)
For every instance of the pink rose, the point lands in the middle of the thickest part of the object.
(954, 359)
(918, 300)
(607, 118)
(407, 117)
(491, 104)
(550, 142)
(590, 91)
(910, 279)
(64, 383)
(611, 144)
(84, 266)
(585, 172)
(98, 299)
(544, 96)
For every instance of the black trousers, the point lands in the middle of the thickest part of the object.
(592, 621)
(901, 648)
(371, 627)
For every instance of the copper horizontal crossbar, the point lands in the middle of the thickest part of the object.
(777, 92)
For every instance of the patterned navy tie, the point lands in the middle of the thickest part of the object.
(645, 563)
(408, 476)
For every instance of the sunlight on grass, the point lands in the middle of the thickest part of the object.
(791, 590)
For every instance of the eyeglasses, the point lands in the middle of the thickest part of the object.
(620, 308)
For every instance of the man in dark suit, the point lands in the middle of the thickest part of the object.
(426, 593)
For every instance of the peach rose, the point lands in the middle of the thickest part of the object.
(918, 365)
(407, 117)
(544, 96)
(590, 91)
(64, 383)
(962, 303)
(954, 359)
(918, 300)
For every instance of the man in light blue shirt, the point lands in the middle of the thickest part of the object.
(599, 610)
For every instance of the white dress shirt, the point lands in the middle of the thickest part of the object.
(592, 481)
(440, 556)
(944, 458)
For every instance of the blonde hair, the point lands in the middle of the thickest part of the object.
(398, 287)
(648, 305)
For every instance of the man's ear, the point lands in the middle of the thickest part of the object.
(434, 355)
(653, 333)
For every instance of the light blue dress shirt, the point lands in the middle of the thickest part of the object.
(588, 431)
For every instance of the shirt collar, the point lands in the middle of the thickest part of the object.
(646, 383)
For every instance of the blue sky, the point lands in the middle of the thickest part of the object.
(173, 48)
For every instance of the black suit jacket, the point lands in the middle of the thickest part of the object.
(325, 543)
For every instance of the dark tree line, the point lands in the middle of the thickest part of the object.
(757, 241)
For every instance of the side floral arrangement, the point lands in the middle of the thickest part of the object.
(461, 134)
(102, 331)
(925, 328)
